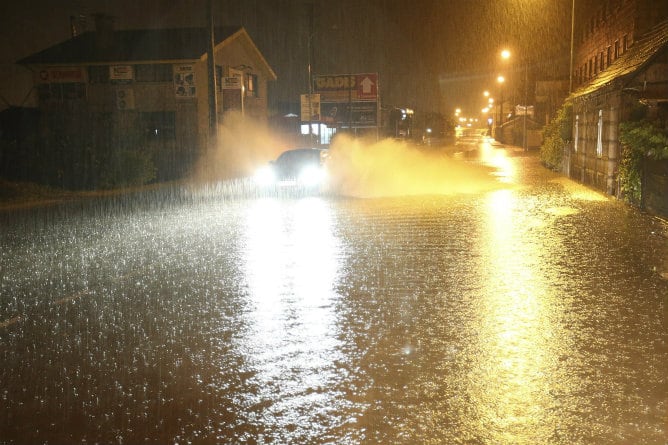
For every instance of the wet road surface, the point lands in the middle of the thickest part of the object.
(529, 313)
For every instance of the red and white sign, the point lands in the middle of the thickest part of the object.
(367, 86)
(64, 74)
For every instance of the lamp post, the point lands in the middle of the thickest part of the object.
(501, 80)
(570, 75)
(505, 54)
(526, 106)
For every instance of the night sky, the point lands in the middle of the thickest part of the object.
(432, 55)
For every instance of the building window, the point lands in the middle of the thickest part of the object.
(609, 55)
(61, 92)
(98, 74)
(158, 125)
(219, 78)
(156, 72)
(625, 44)
(601, 61)
(616, 49)
(599, 137)
(576, 136)
(251, 85)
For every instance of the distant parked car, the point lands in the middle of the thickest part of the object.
(301, 167)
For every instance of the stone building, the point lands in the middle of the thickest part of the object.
(622, 60)
(147, 88)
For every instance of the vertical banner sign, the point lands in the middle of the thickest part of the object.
(184, 81)
(310, 109)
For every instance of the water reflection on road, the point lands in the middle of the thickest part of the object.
(528, 313)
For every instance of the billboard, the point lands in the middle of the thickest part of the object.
(348, 99)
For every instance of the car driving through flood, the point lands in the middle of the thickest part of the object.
(298, 169)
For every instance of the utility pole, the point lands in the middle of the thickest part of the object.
(211, 68)
(526, 105)
(570, 76)
(310, 74)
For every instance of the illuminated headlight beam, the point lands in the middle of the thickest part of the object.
(265, 176)
(311, 176)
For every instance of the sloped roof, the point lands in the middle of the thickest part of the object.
(631, 61)
(143, 45)
(132, 46)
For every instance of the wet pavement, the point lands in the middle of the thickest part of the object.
(530, 312)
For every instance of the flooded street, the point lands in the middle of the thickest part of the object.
(531, 312)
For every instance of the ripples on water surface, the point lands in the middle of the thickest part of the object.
(522, 315)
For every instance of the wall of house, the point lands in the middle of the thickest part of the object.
(603, 37)
(240, 58)
(609, 30)
(595, 150)
(130, 113)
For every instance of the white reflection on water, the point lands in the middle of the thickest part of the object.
(291, 266)
(512, 381)
(499, 160)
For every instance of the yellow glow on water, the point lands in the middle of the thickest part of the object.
(512, 381)
(580, 191)
(499, 160)
(562, 211)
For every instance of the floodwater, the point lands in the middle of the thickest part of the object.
(529, 313)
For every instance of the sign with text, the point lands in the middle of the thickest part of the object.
(232, 83)
(310, 108)
(120, 73)
(348, 99)
(69, 74)
(347, 87)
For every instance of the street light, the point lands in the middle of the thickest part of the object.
(505, 54)
(501, 80)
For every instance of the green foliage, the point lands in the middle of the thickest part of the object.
(644, 137)
(555, 137)
(639, 139)
(630, 183)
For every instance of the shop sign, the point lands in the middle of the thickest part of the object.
(232, 83)
(347, 87)
(65, 74)
(121, 73)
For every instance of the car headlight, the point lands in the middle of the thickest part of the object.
(265, 175)
(311, 175)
